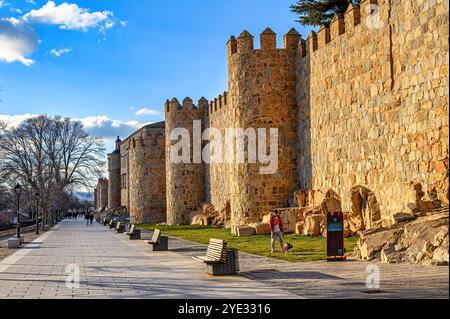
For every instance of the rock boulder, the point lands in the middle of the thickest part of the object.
(421, 241)
(261, 229)
(312, 225)
(244, 231)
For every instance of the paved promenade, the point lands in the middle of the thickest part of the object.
(111, 267)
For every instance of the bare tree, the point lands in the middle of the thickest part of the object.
(52, 156)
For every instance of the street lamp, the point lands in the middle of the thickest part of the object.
(37, 213)
(18, 191)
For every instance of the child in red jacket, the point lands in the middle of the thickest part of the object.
(276, 228)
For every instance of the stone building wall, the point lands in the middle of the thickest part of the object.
(114, 185)
(262, 93)
(102, 193)
(95, 199)
(143, 175)
(372, 94)
(124, 174)
(361, 109)
(218, 175)
(185, 182)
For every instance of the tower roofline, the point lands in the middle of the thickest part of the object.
(161, 125)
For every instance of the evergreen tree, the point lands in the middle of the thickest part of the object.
(318, 12)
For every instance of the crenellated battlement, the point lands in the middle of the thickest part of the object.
(187, 105)
(218, 103)
(244, 44)
(341, 24)
(359, 103)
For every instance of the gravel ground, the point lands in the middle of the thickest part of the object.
(5, 251)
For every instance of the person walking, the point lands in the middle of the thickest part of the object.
(276, 228)
(91, 217)
(87, 219)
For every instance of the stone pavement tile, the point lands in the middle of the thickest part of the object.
(110, 266)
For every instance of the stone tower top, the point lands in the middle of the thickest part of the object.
(268, 42)
(118, 142)
(174, 106)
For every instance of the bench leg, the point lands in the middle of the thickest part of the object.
(136, 235)
(163, 244)
(231, 267)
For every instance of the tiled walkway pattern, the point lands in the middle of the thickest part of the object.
(111, 267)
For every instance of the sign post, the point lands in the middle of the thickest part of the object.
(335, 237)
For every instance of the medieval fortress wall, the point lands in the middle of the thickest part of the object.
(361, 108)
(101, 198)
(143, 179)
(373, 103)
(185, 182)
(114, 172)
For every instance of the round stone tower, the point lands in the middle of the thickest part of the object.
(146, 182)
(262, 89)
(185, 177)
(114, 187)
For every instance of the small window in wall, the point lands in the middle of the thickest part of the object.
(124, 181)
(124, 162)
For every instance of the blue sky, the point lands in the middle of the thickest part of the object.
(104, 61)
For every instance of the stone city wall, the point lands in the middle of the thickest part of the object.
(262, 95)
(143, 175)
(114, 185)
(372, 94)
(102, 193)
(361, 111)
(185, 182)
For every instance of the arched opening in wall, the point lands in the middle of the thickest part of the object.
(366, 208)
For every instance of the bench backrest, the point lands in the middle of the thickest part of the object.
(132, 229)
(217, 250)
(156, 236)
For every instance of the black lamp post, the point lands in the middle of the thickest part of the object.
(18, 191)
(37, 212)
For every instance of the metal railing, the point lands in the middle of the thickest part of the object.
(22, 224)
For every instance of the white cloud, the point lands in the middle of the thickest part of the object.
(13, 121)
(100, 125)
(17, 40)
(106, 127)
(70, 16)
(147, 111)
(57, 53)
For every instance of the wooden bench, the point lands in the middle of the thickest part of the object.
(112, 224)
(120, 228)
(216, 253)
(158, 242)
(134, 233)
(219, 259)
